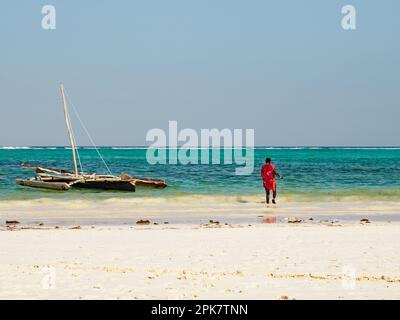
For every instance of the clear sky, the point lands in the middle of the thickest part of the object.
(285, 68)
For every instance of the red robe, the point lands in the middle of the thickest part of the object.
(268, 176)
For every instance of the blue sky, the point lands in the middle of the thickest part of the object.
(285, 68)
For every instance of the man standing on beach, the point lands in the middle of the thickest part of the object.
(268, 174)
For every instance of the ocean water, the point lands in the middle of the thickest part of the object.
(324, 174)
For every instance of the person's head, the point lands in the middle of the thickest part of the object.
(268, 160)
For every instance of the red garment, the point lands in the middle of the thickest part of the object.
(268, 175)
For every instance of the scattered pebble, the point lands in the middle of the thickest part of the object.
(12, 222)
(141, 221)
(293, 220)
(365, 220)
(76, 228)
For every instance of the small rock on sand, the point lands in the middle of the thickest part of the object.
(293, 220)
(141, 221)
(365, 220)
(12, 222)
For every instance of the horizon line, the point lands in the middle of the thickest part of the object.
(199, 147)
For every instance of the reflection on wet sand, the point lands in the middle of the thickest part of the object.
(269, 218)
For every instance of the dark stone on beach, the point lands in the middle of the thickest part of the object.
(76, 228)
(311, 219)
(12, 222)
(40, 224)
(365, 220)
(214, 222)
(141, 221)
(294, 220)
(166, 222)
(56, 227)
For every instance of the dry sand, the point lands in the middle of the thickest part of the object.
(271, 261)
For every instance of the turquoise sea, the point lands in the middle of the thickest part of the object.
(310, 173)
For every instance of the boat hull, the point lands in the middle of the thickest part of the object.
(107, 185)
(149, 184)
(43, 184)
(59, 179)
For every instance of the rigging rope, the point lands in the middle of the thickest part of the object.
(87, 132)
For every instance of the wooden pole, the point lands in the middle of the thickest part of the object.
(68, 124)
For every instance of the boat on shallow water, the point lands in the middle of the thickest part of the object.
(61, 179)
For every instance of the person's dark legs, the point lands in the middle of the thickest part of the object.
(273, 197)
(267, 196)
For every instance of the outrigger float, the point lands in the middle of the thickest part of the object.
(60, 179)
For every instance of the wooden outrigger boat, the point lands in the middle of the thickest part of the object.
(60, 179)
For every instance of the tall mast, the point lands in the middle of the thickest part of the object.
(68, 124)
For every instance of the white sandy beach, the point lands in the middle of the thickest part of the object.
(252, 253)
(264, 261)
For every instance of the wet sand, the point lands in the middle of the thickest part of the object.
(186, 210)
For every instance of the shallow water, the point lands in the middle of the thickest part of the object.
(322, 174)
